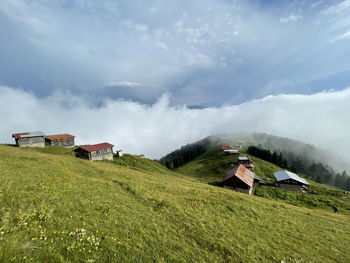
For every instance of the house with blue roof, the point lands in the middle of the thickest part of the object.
(290, 181)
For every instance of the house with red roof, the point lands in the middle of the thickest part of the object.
(65, 140)
(225, 146)
(95, 152)
(239, 179)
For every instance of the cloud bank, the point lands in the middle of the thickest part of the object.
(157, 129)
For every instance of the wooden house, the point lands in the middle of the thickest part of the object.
(226, 146)
(258, 180)
(290, 181)
(231, 152)
(239, 144)
(240, 179)
(246, 161)
(65, 140)
(95, 152)
(29, 139)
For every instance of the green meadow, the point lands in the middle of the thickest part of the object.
(56, 208)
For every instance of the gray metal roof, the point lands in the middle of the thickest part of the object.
(284, 175)
(243, 158)
(33, 134)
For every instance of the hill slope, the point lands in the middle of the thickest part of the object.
(57, 208)
(211, 166)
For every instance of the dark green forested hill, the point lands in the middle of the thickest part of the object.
(289, 154)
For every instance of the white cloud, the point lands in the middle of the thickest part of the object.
(342, 36)
(157, 129)
(290, 18)
(122, 84)
(162, 45)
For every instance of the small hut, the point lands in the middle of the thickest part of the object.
(95, 152)
(240, 179)
(226, 146)
(231, 152)
(290, 181)
(29, 139)
(258, 180)
(246, 161)
(119, 153)
(65, 140)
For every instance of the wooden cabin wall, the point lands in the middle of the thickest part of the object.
(31, 141)
(291, 187)
(64, 142)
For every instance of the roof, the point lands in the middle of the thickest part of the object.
(285, 175)
(59, 137)
(28, 134)
(17, 135)
(243, 158)
(96, 147)
(257, 177)
(231, 150)
(226, 146)
(241, 173)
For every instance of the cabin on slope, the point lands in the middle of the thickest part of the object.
(226, 146)
(95, 152)
(240, 179)
(119, 153)
(65, 140)
(290, 181)
(29, 139)
(231, 152)
(246, 161)
(258, 180)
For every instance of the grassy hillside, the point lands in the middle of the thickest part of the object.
(56, 208)
(212, 166)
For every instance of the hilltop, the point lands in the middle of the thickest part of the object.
(57, 208)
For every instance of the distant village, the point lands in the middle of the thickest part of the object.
(241, 178)
(94, 152)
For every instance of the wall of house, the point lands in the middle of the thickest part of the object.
(291, 187)
(103, 156)
(82, 154)
(31, 141)
(64, 143)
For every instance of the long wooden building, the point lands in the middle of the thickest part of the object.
(240, 179)
(65, 140)
(29, 139)
(290, 181)
(95, 152)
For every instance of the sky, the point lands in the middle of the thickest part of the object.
(279, 67)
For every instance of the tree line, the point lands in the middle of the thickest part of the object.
(316, 171)
(186, 153)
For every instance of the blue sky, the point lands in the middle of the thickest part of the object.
(202, 52)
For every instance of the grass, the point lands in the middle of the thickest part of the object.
(56, 208)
